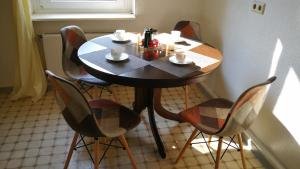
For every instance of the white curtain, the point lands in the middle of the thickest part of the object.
(30, 79)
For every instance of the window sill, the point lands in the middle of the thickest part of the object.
(83, 16)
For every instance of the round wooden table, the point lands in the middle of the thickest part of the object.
(147, 70)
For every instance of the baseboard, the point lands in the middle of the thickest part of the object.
(269, 160)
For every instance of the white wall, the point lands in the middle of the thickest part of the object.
(7, 44)
(248, 42)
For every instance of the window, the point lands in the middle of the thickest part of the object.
(83, 6)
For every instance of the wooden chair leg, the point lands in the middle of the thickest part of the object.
(209, 140)
(71, 149)
(111, 91)
(101, 91)
(96, 153)
(242, 150)
(115, 98)
(218, 157)
(186, 93)
(196, 135)
(188, 142)
(125, 144)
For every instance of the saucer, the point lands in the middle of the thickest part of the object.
(124, 56)
(184, 62)
(116, 40)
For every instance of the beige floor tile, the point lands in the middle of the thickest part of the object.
(14, 163)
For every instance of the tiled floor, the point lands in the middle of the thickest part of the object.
(35, 135)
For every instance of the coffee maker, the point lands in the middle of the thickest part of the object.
(149, 41)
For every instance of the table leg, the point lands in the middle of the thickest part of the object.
(144, 99)
(140, 99)
(159, 143)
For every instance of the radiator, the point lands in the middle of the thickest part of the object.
(52, 46)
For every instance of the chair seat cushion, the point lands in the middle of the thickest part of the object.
(208, 117)
(113, 119)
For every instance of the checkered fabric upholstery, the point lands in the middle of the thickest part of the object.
(189, 29)
(72, 38)
(223, 118)
(95, 118)
(113, 118)
(246, 109)
(208, 116)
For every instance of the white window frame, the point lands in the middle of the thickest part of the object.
(83, 6)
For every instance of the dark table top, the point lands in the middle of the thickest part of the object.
(147, 69)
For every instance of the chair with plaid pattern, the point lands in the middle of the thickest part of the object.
(95, 118)
(223, 118)
(188, 29)
(72, 38)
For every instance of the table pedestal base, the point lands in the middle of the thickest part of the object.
(144, 99)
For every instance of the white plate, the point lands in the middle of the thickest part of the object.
(175, 61)
(115, 39)
(124, 56)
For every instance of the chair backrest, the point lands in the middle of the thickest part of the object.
(72, 38)
(74, 106)
(189, 29)
(246, 109)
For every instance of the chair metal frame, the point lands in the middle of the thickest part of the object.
(85, 145)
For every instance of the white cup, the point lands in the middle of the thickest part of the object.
(120, 34)
(175, 35)
(116, 53)
(180, 56)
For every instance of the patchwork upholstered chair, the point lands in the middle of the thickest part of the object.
(188, 29)
(96, 118)
(72, 38)
(221, 117)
